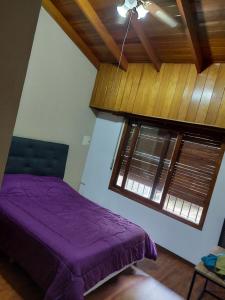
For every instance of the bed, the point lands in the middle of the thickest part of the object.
(65, 242)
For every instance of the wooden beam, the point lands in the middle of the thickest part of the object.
(70, 31)
(136, 24)
(191, 31)
(94, 19)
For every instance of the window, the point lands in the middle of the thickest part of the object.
(173, 171)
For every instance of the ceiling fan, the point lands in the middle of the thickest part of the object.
(143, 7)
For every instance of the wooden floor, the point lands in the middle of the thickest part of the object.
(146, 282)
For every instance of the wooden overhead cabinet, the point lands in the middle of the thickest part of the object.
(177, 92)
(18, 20)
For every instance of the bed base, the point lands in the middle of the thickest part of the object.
(110, 276)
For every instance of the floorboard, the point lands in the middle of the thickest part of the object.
(147, 281)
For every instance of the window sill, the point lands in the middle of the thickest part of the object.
(155, 206)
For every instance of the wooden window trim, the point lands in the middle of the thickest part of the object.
(159, 167)
(213, 182)
(123, 141)
(172, 166)
(132, 148)
(175, 125)
(152, 205)
(146, 202)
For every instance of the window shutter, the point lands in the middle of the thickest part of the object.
(169, 167)
(195, 169)
(145, 161)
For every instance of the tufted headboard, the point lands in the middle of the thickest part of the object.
(28, 156)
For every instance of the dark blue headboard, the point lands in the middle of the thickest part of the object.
(28, 156)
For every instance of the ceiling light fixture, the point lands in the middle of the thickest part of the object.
(142, 12)
(122, 10)
(132, 5)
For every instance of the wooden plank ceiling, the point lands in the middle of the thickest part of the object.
(102, 30)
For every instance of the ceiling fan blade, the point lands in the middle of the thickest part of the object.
(159, 13)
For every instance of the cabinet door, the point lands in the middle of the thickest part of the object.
(106, 94)
(156, 90)
(129, 87)
(146, 94)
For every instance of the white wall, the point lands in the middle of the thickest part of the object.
(56, 95)
(179, 238)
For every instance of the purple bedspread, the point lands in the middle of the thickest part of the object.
(64, 241)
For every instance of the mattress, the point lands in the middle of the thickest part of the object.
(65, 242)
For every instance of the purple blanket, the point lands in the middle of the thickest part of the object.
(64, 241)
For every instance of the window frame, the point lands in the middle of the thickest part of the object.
(180, 129)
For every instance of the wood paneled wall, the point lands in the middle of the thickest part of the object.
(177, 92)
